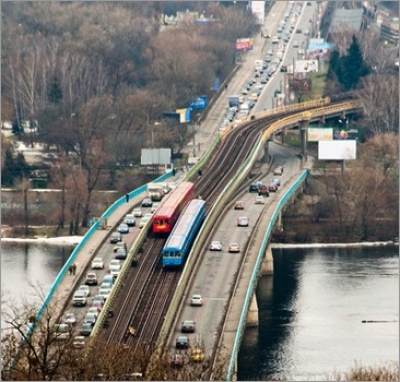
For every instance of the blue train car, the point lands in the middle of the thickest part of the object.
(182, 236)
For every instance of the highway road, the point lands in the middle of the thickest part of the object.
(218, 270)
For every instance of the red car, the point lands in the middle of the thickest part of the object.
(273, 187)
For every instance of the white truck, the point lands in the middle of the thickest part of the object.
(259, 65)
(155, 191)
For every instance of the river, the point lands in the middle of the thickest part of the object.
(311, 310)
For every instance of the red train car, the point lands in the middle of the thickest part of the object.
(171, 207)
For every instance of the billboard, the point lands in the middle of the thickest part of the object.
(155, 156)
(184, 115)
(258, 9)
(351, 134)
(306, 66)
(319, 49)
(337, 150)
(315, 134)
(244, 44)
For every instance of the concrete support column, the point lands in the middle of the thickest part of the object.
(252, 314)
(283, 137)
(267, 265)
(303, 142)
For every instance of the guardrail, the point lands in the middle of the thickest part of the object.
(254, 275)
(79, 247)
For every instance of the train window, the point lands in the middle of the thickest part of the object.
(157, 222)
(178, 254)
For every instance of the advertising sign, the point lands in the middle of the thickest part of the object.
(315, 134)
(351, 134)
(318, 49)
(155, 156)
(337, 150)
(258, 9)
(306, 66)
(184, 115)
(244, 44)
(199, 103)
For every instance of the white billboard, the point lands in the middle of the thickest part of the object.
(258, 8)
(337, 150)
(306, 66)
(315, 134)
(155, 156)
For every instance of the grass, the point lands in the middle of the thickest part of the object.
(319, 80)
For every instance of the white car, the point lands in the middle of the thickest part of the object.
(70, 318)
(234, 247)
(216, 246)
(97, 263)
(114, 262)
(260, 199)
(154, 207)
(85, 289)
(105, 292)
(115, 270)
(137, 212)
(196, 300)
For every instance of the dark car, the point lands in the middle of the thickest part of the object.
(273, 187)
(253, 187)
(147, 202)
(121, 254)
(284, 68)
(263, 190)
(86, 329)
(115, 237)
(188, 326)
(277, 92)
(182, 342)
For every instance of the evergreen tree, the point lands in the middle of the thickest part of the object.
(353, 66)
(55, 93)
(7, 172)
(334, 65)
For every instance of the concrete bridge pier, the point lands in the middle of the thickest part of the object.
(267, 265)
(252, 314)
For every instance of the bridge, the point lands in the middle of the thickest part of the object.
(243, 308)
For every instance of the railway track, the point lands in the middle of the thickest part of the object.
(144, 298)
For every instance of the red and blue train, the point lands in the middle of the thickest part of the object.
(182, 236)
(171, 207)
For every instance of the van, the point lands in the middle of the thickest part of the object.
(245, 107)
(279, 54)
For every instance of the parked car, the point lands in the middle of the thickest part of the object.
(182, 342)
(123, 228)
(233, 247)
(242, 221)
(91, 278)
(188, 326)
(115, 237)
(196, 300)
(97, 263)
(216, 245)
(147, 202)
(129, 220)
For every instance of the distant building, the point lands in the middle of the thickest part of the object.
(346, 20)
